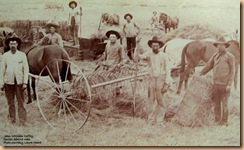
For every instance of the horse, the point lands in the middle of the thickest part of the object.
(197, 51)
(39, 57)
(173, 48)
(4, 31)
(107, 19)
(168, 22)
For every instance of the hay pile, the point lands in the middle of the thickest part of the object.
(195, 107)
(194, 32)
(115, 98)
(23, 27)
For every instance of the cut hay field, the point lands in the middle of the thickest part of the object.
(125, 130)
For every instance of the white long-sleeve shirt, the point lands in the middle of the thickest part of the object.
(14, 66)
(158, 64)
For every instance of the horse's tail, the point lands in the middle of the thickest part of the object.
(165, 48)
(66, 74)
(183, 61)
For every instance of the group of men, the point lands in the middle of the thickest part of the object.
(14, 69)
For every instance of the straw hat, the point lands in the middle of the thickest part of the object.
(221, 43)
(14, 37)
(155, 40)
(52, 23)
(113, 32)
(72, 2)
(128, 14)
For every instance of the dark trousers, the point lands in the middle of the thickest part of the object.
(131, 44)
(10, 92)
(220, 99)
(74, 30)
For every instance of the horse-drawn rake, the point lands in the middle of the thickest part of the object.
(67, 104)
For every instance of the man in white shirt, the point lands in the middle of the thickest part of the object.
(131, 31)
(114, 52)
(158, 72)
(14, 77)
(73, 21)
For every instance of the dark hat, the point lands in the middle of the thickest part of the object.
(72, 2)
(222, 43)
(14, 37)
(128, 14)
(113, 32)
(155, 40)
(52, 23)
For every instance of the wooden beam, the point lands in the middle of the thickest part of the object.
(117, 80)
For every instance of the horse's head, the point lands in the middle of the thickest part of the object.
(110, 20)
(233, 36)
(163, 17)
(6, 36)
(105, 17)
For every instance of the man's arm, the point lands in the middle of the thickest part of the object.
(138, 28)
(232, 69)
(121, 54)
(169, 80)
(44, 38)
(60, 41)
(26, 69)
(3, 70)
(124, 29)
(208, 66)
(68, 20)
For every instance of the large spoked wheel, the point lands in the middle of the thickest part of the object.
(63, 103)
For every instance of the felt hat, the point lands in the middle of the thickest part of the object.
(14, 37)
(222, 43)
(155, 40)
(52, 23)
(113, 32)
(72, 2)
(128, 14)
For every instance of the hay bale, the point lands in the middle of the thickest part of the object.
(194, 32)
(195, 107)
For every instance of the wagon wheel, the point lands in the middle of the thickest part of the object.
(66, 104)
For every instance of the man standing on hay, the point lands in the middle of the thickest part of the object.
(73, 21)
(131, 31)
(157, 71)
(223, 65)
(52, 38)
(14, 77)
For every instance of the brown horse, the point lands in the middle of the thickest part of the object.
(168, 22)
(41, 56)
(197, 51)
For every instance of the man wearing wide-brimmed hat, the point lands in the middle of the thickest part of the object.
(114, 51)
(131, 30)
(53, 38)
(223, 65)
(14, 77)
(73, 21)
(158, 72)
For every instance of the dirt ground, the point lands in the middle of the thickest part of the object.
(127, 131)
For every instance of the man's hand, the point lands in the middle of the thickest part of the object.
(24, 86)
(2, 87)
(201, 73)
(228, 87)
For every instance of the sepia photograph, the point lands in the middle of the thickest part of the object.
(84, 73)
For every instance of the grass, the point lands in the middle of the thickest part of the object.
(125, 130)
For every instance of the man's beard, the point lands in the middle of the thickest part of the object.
(13, 49)
(156, 51)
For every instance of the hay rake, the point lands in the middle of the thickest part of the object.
(67, 105)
